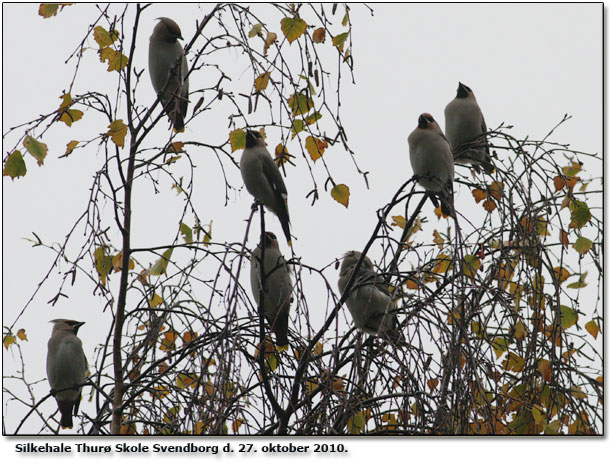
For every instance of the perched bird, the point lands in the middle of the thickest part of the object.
(277, 287)
(432, 162)
(465, 126)
(66, 367)
(263, 179)
(168, 69)
(369, 301)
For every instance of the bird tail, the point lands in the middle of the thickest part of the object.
(283, 216)
(65, 408)
(280, 327)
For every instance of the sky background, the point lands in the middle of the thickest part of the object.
(527, 64)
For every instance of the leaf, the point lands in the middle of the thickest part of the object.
(155, 301)
(103, 263)
(116, 60)
(519, 330)
(315, 147)
(14, 166)
(479, 194)
(262, 81)
(161, 265)
(356, 423)
(561, 274)
(117, 262)
(71, 115)
(489, 205)
(443, 264)
(339, 40)
(46, 10)
(300, 103)
(470, 265)
(186, 232)
(578, 393)
(495, 189)
(559, 183)
(271, 38)
(237, 138)
(297, 126)
(256, 30)
(293, 28)
(568, 316)
(184, 380)
(564, 238)
(21, 334)
(117, 132)
(398, 221)
(513, 362)
(545, 367)
(318, 36)
(580, 214)
(581, 283)
(499, 344)
(341, 194)
(236, 425)
(70, 147)
(572, 170)
(592, 328)
(552, 427)
(8, 340)
(582, 245)
(315, 116)
(103, 37)
(36, 149)
(281, 155)
(432, 384)
(168, 342)
(208, 234)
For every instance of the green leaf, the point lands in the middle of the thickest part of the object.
(500, 344)
(187, 233)
(340, 39)
(581, 283)
(256, 30)
(568, 316)
(103, 263)
(14, 166)
(582, 245)
(580, 214)
(313, 118)
(293, 28)
(36, 149)
(161, 265)
(298, 126)
(300, 103)
(470, 265)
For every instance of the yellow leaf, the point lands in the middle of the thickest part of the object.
(184, 380)
(117, 132)
(470, 265)
(21, 334)
(36, 149)
(103, 37)
(155, 301)
(70, 147)
(412, 284)
(116, 60)
(103, 263)
(513, 362)
(46, 10)
(495, 189)
(356, 423)
(561, 274)
(262, 81)
(176, 147)
(8, 340)
(281, 155)
(315, 147)
(592, 328)
(398, 221)
(438, 239)
(237, 138)
(14, 166)
(341, 194)
(318, 36)
(159, 392)
(443, 263)
(300, 103)
(519, 330)
(271, 38)
(317, 349)
(293, 28)
(578, 393)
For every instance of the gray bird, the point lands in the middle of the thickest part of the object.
(277, 286)
(465, 126)
(66, 367)
(263, 180)
(168, 69)
(369, 301)
(432, 162)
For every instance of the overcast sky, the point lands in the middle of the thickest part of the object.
(527, 64)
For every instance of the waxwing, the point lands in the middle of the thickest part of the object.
(66, 368)
(168, 69)
(432, 162)
(263, 179)
(465, 126)
(369, 301)
(276, 292)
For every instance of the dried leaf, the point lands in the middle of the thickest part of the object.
(341, 194)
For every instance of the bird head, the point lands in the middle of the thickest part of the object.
(253, 138)
(168, 29)
(425, 121)
(270, 240)
(463, 91)
(62, 324)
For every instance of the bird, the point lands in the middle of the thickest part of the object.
(66, 367)
(263, 180)
(465, 127)
(369, 301)
(277, 285)
(432, 162)
(168, 70)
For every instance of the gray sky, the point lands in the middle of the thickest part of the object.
(527, 64)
